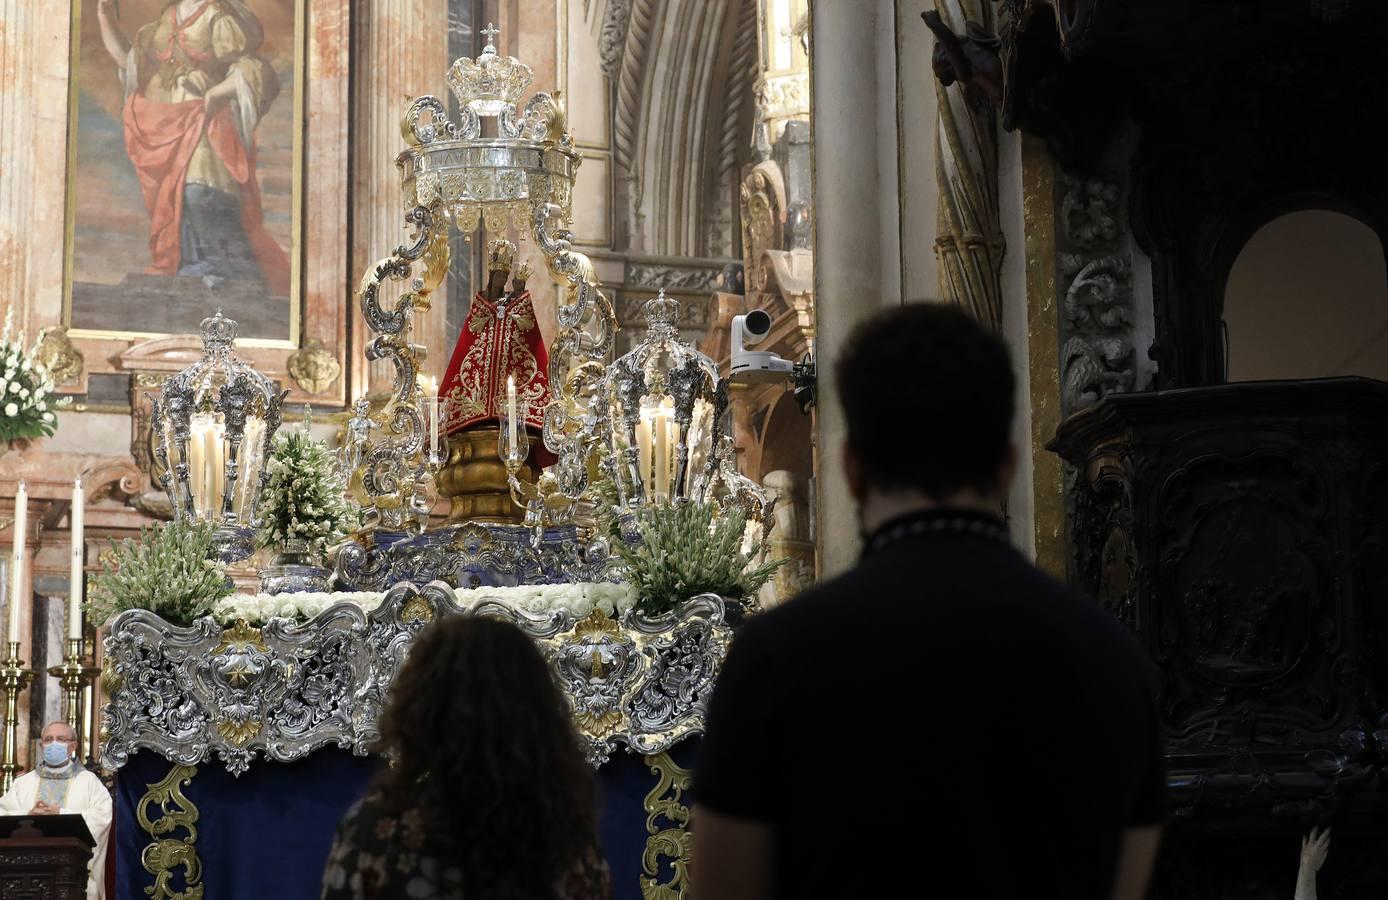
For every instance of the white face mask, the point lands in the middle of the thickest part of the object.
(56, 753)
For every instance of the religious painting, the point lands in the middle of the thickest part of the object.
(184, 167)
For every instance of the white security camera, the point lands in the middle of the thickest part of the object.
(756, 365)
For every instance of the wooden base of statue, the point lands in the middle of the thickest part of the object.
(474, 479)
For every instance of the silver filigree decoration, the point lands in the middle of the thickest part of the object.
(288, 689)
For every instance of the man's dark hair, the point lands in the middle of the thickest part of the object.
(928, 395)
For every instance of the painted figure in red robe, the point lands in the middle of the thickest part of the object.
(194, 92)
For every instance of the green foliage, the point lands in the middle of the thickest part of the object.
(26, 391)
(688, 549)
(305, 497)
(166, 571)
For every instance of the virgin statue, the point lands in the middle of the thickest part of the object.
(500, 341)
(195, 91)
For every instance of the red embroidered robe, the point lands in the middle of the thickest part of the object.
(497, 340)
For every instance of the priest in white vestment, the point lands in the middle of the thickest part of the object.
(61, 784)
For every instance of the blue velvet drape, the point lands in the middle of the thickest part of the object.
(267, 834)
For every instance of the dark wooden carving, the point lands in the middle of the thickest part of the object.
(1242, 111)
(970, 59)
(1241, 532)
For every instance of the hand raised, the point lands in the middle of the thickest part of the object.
(1314, 848)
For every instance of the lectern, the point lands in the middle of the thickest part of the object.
(44, 856)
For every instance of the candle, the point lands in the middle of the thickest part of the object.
(79, 562)
(195, 466)
(661, 454)
(249, 468)
(512, 432)
(643, 450)
(209, 480)
(216, 457)
(21, 527)
(433, 402)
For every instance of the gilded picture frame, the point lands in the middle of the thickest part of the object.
(276, 60)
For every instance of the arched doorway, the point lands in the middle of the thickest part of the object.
(1307, 297)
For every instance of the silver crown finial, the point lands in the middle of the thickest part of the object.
(661, 313)
(491, 31)
(218, 330)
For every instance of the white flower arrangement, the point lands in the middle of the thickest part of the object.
(305, 496)
(25, 388)
(539, 599)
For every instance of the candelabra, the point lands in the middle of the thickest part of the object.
(389, 475)
(13, 679)
(73, 677)
(214, 422)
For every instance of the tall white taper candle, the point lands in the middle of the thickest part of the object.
(21, 528)
(79, 562)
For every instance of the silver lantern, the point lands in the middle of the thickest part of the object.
(215, 421)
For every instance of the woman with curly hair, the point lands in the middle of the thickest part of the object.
(488, 795)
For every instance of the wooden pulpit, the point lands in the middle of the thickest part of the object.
(44, 857)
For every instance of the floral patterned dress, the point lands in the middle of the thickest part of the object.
(380, 853)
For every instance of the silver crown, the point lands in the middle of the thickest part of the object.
(218, 331)
(661, 313)
(491, 84)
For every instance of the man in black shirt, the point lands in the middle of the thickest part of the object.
(944, 720)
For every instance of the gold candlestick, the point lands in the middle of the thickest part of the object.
(73, 676)
(13, 679)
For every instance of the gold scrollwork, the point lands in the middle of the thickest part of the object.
(417, 609)
(241, 637)
(313, 367)
(671, 841)
(62, 360)
(166, 853)
(238, 644)
(239, 731)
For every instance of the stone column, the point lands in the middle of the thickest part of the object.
(857, 249)
(400, 52)
(16, 158)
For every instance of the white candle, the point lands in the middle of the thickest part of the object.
(216, 458)
(79, 562)
(661, 454)
(433, 402)
(21, 527)
(644, 445)
(248, 464)
(513, 433)
(196, 471)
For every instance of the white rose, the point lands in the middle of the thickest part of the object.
(48, 417)
(23, 393)
(15, 387)
(11, 409)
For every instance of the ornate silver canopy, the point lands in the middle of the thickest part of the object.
(521, 176)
